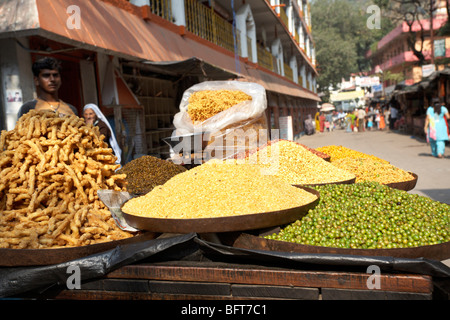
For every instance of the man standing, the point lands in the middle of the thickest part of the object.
(393, 114)
(47, 79)
(361, 119)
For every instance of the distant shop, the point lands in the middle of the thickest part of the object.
(348, 100)
(415, 99)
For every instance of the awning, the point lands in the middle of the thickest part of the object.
(425, 83)
(192, 66)
(123, 32)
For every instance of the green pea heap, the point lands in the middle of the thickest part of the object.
(369, 215)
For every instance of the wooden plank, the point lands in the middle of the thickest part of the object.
(193, 288)
(117, 295)
(124, 285)
(281, 277)
(343, 294)
(281, 292)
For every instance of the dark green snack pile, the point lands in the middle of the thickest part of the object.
(369, 215)
(147, 172)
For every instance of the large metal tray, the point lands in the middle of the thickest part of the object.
(350, 181)
(248, 241)
(404, 185)
(222, 224)
(43, 257)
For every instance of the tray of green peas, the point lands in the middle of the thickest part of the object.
(365, 218)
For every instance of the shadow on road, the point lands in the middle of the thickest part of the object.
(424, 154)
(429, 155)
(441, 195)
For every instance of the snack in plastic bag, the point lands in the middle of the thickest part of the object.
(232, 112)
(207, 103)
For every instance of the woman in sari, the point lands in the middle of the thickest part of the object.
(317, 121)
(436, 128)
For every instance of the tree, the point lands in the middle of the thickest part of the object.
(413, 12)
(342, 39)
(336, 58)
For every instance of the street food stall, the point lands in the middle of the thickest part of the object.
(279, 221)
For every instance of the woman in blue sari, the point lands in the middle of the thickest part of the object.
(436, 128)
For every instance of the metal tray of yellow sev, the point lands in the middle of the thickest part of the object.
(368, 169)
(405, 185)
(349, 181)
(222, 224)
(45, 257)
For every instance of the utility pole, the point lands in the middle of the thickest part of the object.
(431, 32)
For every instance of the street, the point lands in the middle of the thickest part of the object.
(403, 151)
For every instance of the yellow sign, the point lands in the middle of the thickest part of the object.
(349, 95)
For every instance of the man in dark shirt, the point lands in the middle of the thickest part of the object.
(47, 79)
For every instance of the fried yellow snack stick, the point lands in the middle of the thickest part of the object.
(50, 170)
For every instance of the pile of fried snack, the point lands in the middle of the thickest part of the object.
(51, 167)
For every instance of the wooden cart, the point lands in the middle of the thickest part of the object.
(225, 281)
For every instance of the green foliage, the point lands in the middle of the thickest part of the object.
(397, 77)
(342, 38)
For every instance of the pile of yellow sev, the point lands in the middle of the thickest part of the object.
(207, 103)
(366, 169)
(340, 152)
(296, 165)
(218, 189)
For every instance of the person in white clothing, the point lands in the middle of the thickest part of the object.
(94, 116)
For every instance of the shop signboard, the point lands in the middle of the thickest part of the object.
(427, 70)
(286, 128)
(439, 48)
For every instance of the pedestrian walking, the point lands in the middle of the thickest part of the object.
(436, 128)
(387, 115)
(370, 123)
(393, 114)
(350, 121)
(361, 115)
(322, 121)
(317, 121)
(382, 123)
(309, 125)
(329, 121)
(377, 117)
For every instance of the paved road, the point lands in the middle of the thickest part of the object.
(403, 151)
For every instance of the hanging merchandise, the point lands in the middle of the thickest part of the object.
(231, 112)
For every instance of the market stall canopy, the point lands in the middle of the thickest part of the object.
(123, 32)
(425, 84)
(192, 66)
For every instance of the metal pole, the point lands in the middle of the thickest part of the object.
(431, 32)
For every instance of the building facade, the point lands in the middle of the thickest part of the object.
(407, 81)
(136, 58)
(396, 63)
